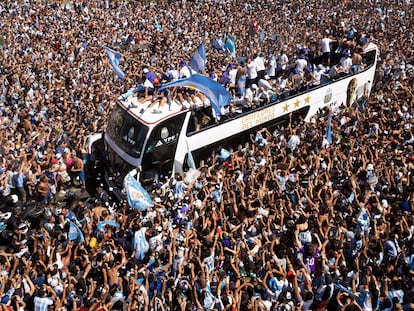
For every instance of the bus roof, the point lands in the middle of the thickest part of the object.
(150, 114)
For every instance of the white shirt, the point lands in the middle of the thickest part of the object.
(346, 63)
(283, 60)
(232, 76)
(252, 70)
(301, 64)
(260, 64)
(184, 72)
(42, 303)
(325, 45)
(248, 97)
(271, 67)
(264, 84)
(293, 142)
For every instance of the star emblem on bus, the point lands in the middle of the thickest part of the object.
(296, 103)
(307, 99)
(286, 107)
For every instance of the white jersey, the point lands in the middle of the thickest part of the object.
(252, 70)
(325, 45)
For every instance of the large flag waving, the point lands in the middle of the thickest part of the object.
(137, 196)
(215, 92)
(114, 59)
(198, 62)
(75, 234)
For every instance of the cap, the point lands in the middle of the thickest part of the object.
(370, 167)
(254, 86)
(267, 77)
(145, 70)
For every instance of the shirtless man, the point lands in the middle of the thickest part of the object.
(78, 169)
(112, 269)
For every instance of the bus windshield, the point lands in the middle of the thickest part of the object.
(126, 131)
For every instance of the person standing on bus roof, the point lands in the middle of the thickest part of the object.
(232, 79)
(325, 45)
(301, 63)
(260, 65)
(241, 79)
(251, 72)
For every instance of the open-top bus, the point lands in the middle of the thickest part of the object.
(158, 142)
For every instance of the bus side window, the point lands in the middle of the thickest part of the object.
(199, 119)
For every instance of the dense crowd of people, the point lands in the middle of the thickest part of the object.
(287, 222)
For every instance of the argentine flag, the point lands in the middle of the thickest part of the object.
(114, 59)
(75, 234)
(137, 196)
(328, 132)
(230, 46)
(198, 62)
(215, 92)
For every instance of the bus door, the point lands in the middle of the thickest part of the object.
(158, 158)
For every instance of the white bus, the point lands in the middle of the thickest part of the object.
(158, 142)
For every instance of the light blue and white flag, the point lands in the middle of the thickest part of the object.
(198, 62)
(137, 196)
(158, 27)
(230, 46)
(114, 59)
(190, 159)
(217, 44)
(329, 129)
(102, 224)
(214, 91)
(75, 234)
(224, 154)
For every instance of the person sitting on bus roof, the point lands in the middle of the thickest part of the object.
(322, 72)
(249, 96)
(308, 79)
(346, 61)
(184, 99)
(262, 96)
(265, 83)
(295, 81)
(335, 71)
(357, 63)
(160, 98)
